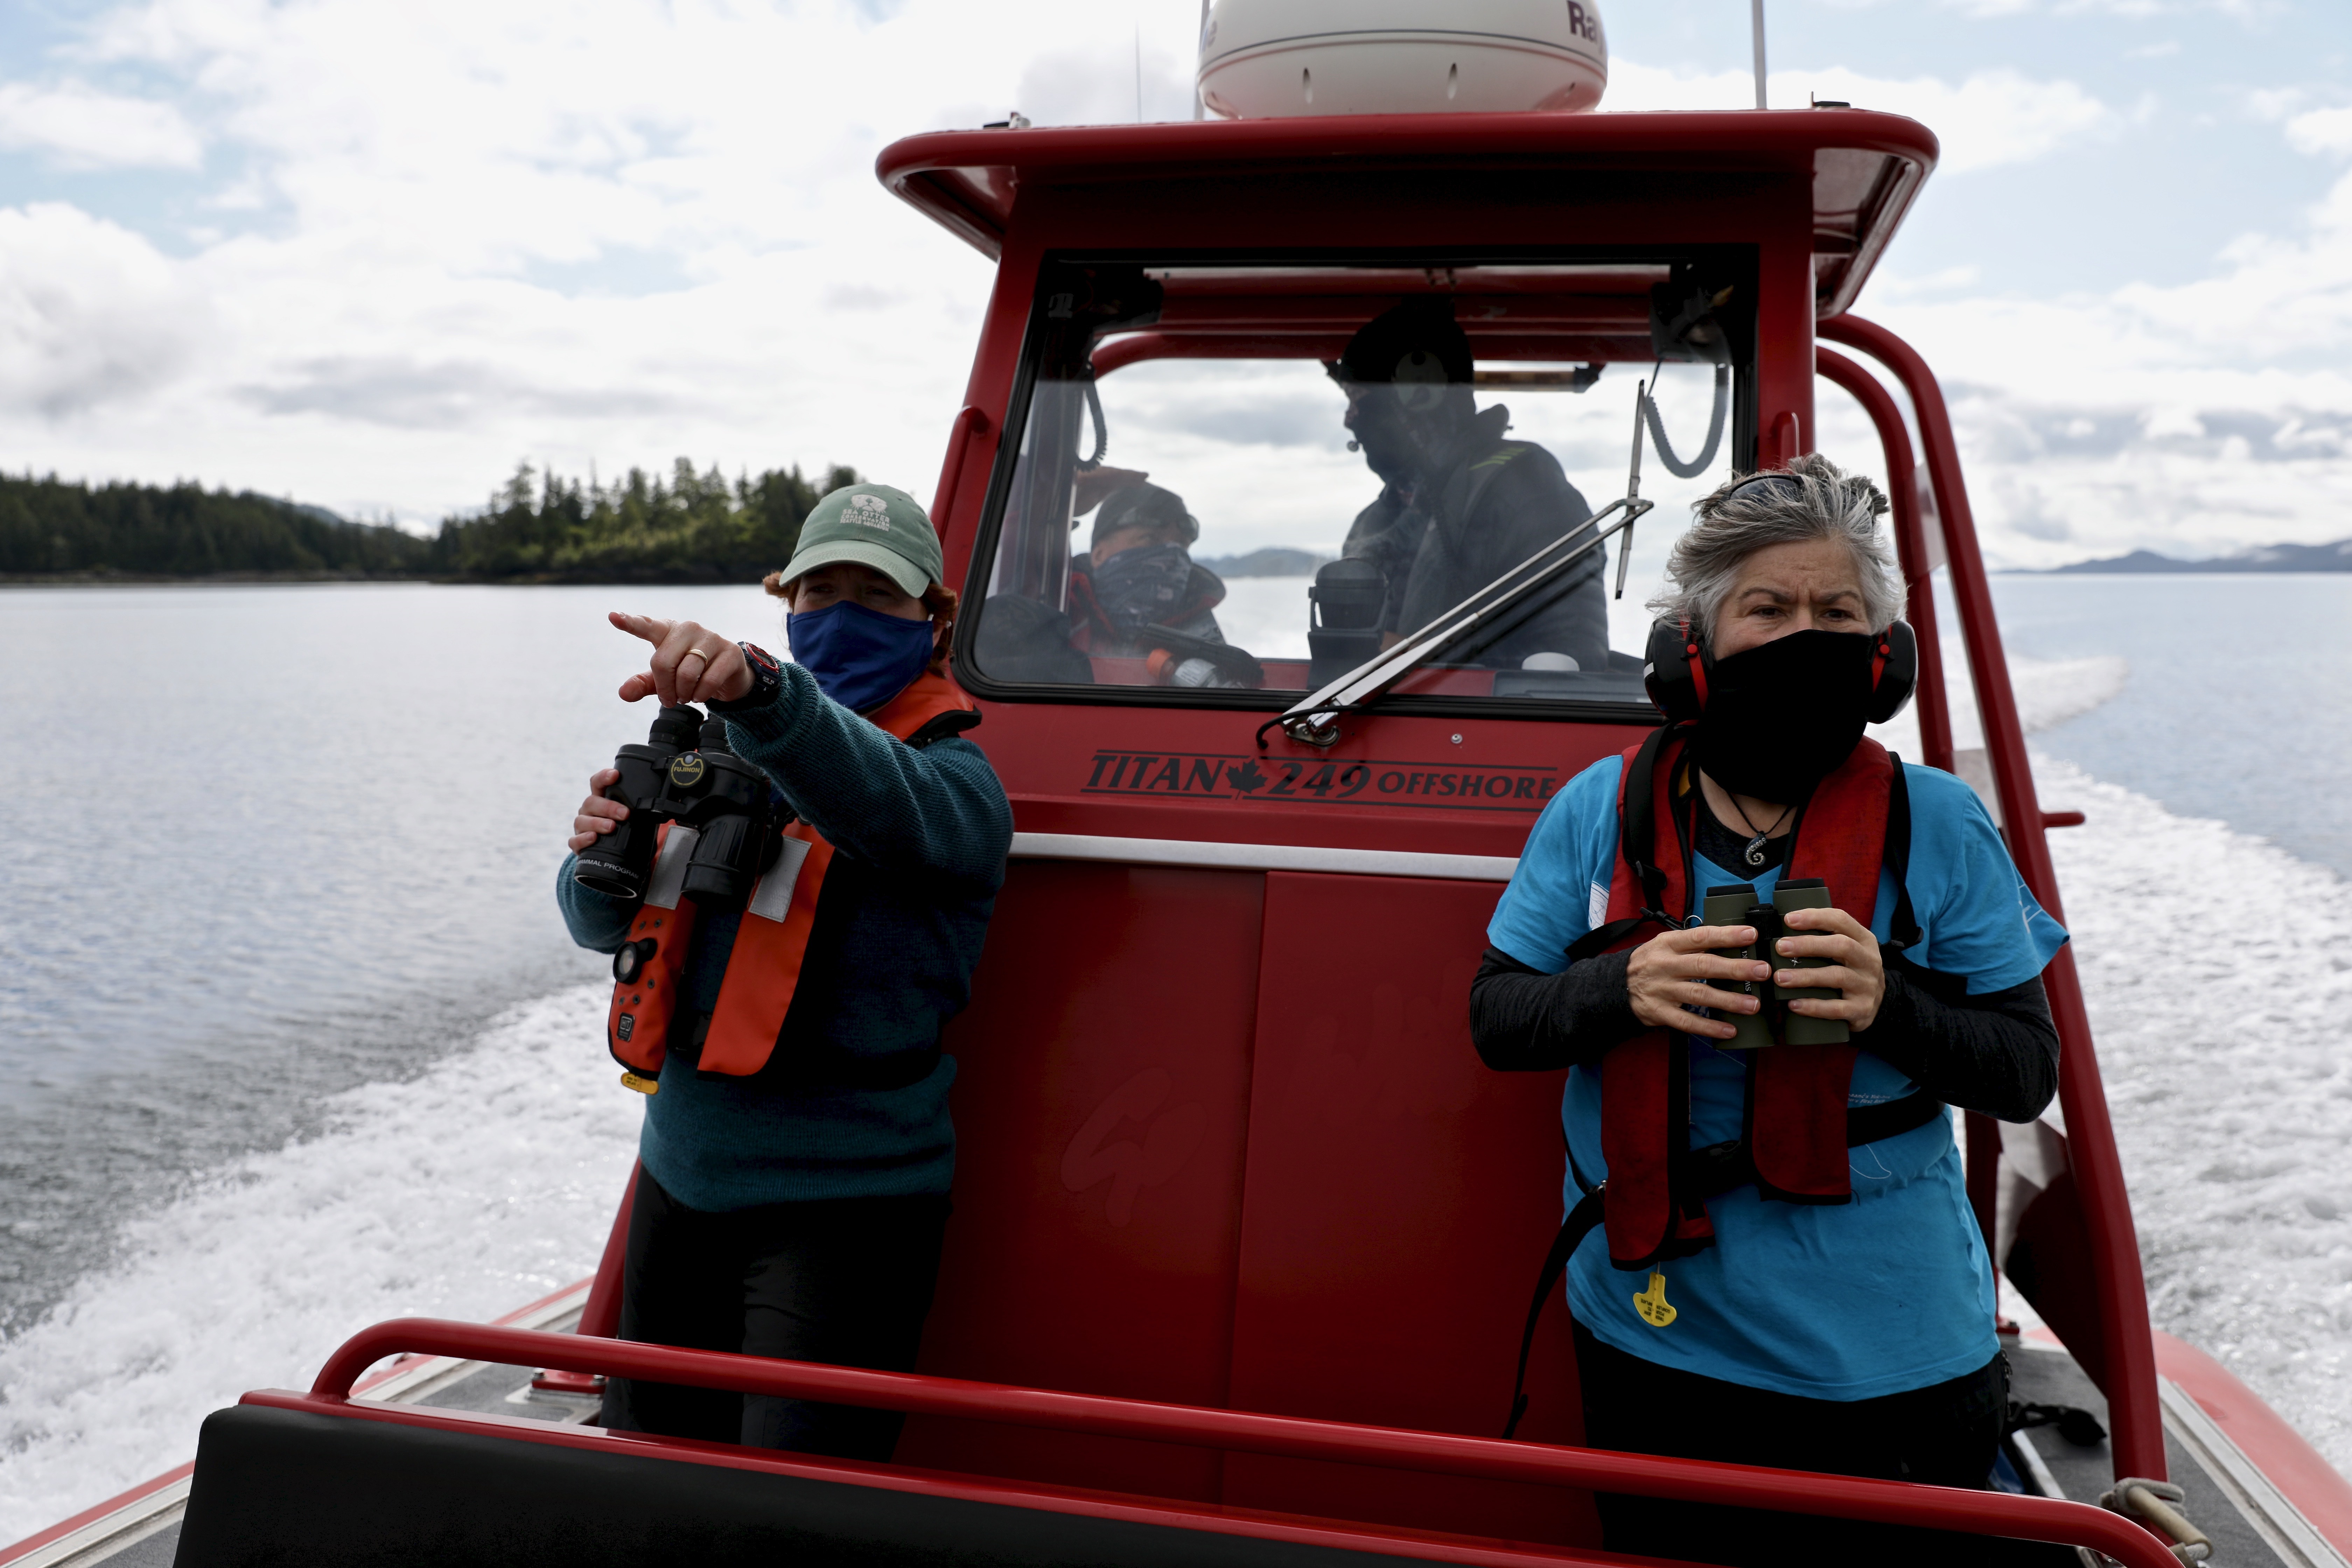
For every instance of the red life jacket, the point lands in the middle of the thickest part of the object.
(1796, 1123)
(1797, 1128)
(764, 969)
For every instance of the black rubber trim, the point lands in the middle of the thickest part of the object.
(277, 1486)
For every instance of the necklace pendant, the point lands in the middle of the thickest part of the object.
(1756, 850)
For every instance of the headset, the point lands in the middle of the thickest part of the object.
(1676, 670)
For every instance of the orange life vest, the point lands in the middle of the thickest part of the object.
(763, 970)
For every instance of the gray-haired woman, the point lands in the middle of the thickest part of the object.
(1812, 1292)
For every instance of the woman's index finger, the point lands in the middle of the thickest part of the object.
(654, 631)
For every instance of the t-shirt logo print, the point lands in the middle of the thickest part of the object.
(869, 511)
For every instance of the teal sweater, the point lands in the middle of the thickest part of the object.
(920, 839)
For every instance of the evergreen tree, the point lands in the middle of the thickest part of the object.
(48, 526)
(538, 527)
(687, 527)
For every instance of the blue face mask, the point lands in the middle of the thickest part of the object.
(861, 657)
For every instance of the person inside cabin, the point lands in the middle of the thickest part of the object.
(1806, 1288)
(794, 1162)
(1460, 504)
(1138, 594)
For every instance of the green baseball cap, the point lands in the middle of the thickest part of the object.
(870, 525)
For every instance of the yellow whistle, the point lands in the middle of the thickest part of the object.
(1652, 1303)
(638, 1081)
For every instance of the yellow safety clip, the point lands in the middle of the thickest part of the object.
(1652, 1303)
(644, 1085)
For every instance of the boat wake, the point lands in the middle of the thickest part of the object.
(2222, 1001)
(2049, 692)
(483, 1184)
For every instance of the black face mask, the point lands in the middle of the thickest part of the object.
(1782, 717)
(1380, 430)
(1138, 586)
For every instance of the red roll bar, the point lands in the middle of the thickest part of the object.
(2124, 1362)
(1932, 699)
(1787, 1491)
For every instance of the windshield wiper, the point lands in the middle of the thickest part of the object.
(1315, 719)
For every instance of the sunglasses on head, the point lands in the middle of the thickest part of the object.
(1794, 485)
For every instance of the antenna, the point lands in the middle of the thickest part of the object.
(1199, 99)
(1755, 27)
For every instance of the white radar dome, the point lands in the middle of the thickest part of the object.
(1268, 57)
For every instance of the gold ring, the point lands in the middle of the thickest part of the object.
(694, 653)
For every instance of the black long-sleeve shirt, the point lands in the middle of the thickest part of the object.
(1996, 1053)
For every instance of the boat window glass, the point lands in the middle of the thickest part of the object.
(1195, 451)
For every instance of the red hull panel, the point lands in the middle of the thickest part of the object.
(1379, 1146)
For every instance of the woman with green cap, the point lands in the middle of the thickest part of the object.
(796, 1152)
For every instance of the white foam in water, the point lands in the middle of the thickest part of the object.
(482, 1185)
(2049, 691)
(2220, 998)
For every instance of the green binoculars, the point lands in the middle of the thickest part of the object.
(1772, 1023)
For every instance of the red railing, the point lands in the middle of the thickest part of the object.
(2124, 1362)
(600, 1318)
(1789, 1491)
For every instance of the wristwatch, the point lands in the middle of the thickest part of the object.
(766, 681)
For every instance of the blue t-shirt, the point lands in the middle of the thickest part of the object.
(1889, 1292)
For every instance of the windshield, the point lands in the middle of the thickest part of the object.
(1238, 483)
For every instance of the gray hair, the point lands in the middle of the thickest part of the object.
(1812, 499)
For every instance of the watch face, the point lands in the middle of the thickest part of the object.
(762, 661)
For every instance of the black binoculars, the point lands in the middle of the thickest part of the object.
(686, 773)
(1772, 1023)
(1344, 616)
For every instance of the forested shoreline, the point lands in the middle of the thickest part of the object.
(685, 527)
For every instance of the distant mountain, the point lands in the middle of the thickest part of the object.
(1271, 562)
(2336, 557)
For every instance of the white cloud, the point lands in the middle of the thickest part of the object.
(90, 314)
(86, 128)
(448, 234)
(1990, 118)
(2321, 131)
(2201, 418)
(461, 233)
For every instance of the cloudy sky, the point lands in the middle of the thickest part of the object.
(372, 256)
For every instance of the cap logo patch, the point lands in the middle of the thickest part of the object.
(870, 512)
(1419, 381)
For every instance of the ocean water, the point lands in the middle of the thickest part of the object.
(292, 1040)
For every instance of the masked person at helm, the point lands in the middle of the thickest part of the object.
(1782, 1269)
(1459, 504)
(1139, 593)
(796, 1153)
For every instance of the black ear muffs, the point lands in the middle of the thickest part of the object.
(1675, 670)
(1893, 671)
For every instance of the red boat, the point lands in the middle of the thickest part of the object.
(1243, 1230)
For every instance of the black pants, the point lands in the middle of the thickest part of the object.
(1945, 1435)
(845, 1281)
